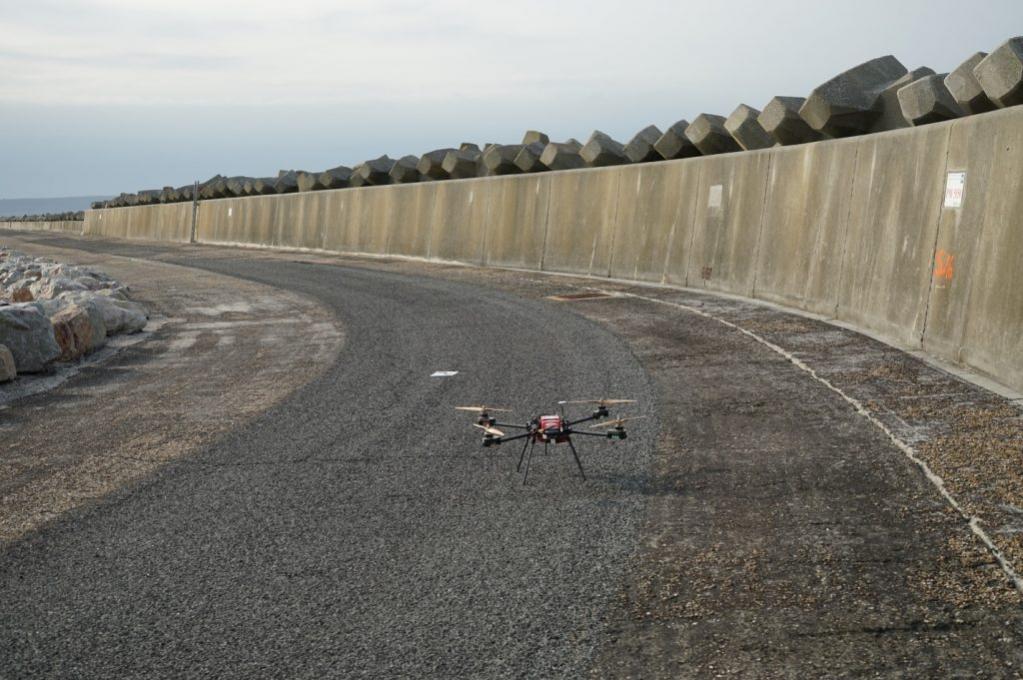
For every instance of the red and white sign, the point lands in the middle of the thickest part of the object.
(955, 186)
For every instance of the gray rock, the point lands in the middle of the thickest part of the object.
(431, 164)
(119, 315)
(707, 132)
(8, 371)
(781, 120)
(561, 156)
(29, 337)
(888, 104)
(336, 178)
(308, 181)
(674, 143)
(461, 163)
(405, 170)
(601, 151)
(848, 104)
(927, 100)
(966, 89)
(746, 130)
(374, 172)
(640, 148)
(499, 159)
(528, 157)
(1001, 73)
(47, 288)
(533, 137)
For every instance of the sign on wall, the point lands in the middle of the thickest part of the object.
(955, 185)
(714, 198)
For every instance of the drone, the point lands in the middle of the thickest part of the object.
(551, 429)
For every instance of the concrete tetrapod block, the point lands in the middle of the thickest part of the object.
(308, 181)
(528, 157)
(927, 100)
(534, 136)
(336, 178)
(287, 182)
(459, 164)
(499, 159)
(674, 143)
(640, 148)
(888, 105)
(560, 156)
(847, 104)
(966, 89)
(1001, 73)
(405, 170)
(264, 186)
(707, 132)
(745, 128)
(601, 151)
(374, 172)
(431, 164)
(236, 186)
(781, 120)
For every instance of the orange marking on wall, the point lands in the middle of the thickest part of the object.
(944, 265)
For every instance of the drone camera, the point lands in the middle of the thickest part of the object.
(617, 433)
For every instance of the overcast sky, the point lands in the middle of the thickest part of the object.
(119, 95)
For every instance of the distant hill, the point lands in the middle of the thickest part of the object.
(16, 207)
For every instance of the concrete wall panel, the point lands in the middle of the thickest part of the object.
(170, 222)
(726, 227)
(803, 236)
(893, 220)
(67, 226)
(654, 215)
(458, 220)
(517, 221)
(580, 221)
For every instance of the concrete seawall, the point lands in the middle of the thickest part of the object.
(70, 226)
(859, 229)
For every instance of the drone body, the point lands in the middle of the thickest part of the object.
(550, 429)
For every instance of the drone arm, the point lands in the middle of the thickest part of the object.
(518, 436)
(517, 427)
(582, 420)
(602, 435)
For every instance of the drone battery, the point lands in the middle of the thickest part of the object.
(550, 423)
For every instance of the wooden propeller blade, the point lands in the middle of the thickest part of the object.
(617, 422)
(490, 430)
(482, 409)
(601, 402)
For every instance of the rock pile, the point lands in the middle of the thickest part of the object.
(51, 311)
(47, 217)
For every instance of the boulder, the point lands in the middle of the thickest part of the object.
(499, 159)
(528, 157)
(405, 170)
(674, 143)
(336, 178)
(927, 100)
(1001, 73)
(308, 181)
(118, 315)
(534, 137)
(888, 104)
(461, 163)
(781, 120)
(848, 104)
(640, 148)
(76, 332)
(22, 294)
(28, 334)
(375, 172)
(707, 132)
(431, 164)
(745, 128)
(965, 89)
(601, 151)
(8, 371)
(48, 288)
(561, 156)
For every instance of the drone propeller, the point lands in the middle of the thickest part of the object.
(492, 431)
(617, 422)
(482, 409)
(600, 402)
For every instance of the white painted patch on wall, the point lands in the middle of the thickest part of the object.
(714, 198)
(230, 211)
(443, 374)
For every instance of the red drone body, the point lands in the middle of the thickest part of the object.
(551, 430)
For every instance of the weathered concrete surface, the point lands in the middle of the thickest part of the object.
(458, 221)
(171, 222)
(803, 238)
(965, 87)
(72, 227)
(1001, 73)
(848, 104)
(640, 148)
(745, 128)
(517, 222)
(307, 181)
(674, 144)
(708, 134)
(580, 221)
(727, 223)
(927, 100)
(781, 120)
(897, 191)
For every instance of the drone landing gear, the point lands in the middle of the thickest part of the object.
(530, 444)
